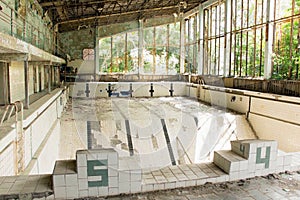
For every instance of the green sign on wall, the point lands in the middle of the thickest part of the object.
(98, 168)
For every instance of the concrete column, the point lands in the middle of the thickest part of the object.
(167, 49)
(195, 55)
(26, 78)
(201, 40)
(269, 39)
(141, 47)
(96, 54)
(182, 47)
(227, 37)
(49, 78)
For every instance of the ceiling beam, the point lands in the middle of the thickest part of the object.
(111, 14)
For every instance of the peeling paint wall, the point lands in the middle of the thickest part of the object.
(74, 42)
(37, 30)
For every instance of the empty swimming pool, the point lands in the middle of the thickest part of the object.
(157, 131)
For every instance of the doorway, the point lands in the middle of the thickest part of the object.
(4, 83)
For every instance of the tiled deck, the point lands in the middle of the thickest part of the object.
(40, 186)
(18, 187)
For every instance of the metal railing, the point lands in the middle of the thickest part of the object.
(16, 25)
(10, 110)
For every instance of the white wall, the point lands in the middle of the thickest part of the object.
(271, 118)
(17, 81)
(140, 89)
(233, 101)
(42, 135)
(44, 164)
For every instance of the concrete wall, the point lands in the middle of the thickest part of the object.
(140, 89)
(83, 66)
(272, 117)
(17, 81)
(45, 162)
(40, 137)
(276, 120)
(74, 42)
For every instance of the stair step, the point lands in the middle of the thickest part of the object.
(229, 161)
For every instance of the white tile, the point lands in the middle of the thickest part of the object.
(260, 166)
(170, 185)
(234, 176)
(159, 186)
(113, 191)
(92, 156)
(113, 181)
(258, 172)
(221, 179)
(136, 175)
(243, 165)
(252, 158)
(190, 183)
(71, 180)
(72, 192)
(103, 191)
(81, 160)
(113, 159)
(102, 156)
(279, 161)
(83, 193)
(124, 187)
(112, 171)
(243, 174)
(253, 148)
(200, 181)
(135, 186)
(124, 176)
(59, 180)
(82, 172)
(82, 184)
(287, 160)
(273, 156)
(147, 187)
(180, 184)
(274, 146)
(234, 166)
(60, 192)
(287, 167)
(93, 191)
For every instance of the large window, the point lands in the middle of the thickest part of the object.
(161, 44)
(287, 39)
(241, 51)
(191, 44)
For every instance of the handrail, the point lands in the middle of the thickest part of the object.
(19, 141)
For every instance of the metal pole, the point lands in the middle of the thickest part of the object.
(49, 78)
(26, 74)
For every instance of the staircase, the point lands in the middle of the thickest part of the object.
(249, 158)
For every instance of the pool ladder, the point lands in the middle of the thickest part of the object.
(15, 109)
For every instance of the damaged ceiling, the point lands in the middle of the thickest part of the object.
(76, 14)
